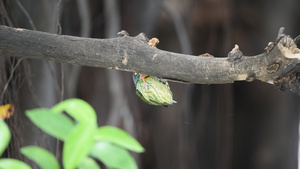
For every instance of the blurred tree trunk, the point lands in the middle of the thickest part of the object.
(42, 84)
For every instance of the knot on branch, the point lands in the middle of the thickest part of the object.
(297, 40)
(286, 68)
(288, 48)
(280, 35)
(143, 37)
(289, 82)
(153, 42)
(122, 33)
(234, 54)
(270, 46)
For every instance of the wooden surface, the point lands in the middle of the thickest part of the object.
(279, 65)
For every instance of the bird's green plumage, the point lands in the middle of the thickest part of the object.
(154, 91)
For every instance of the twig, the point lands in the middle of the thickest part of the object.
(179, 26)
(58, 31)
(62, 82)
(85, 18)
(4, 13)
(10, 77)
(58, 25)
(26, 14)
(27, 73)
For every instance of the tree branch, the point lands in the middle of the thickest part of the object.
(279, 65)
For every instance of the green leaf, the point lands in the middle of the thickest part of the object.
(113, 156)
(119, 137)
(57, 125)
(89, 163)
(80, 110)
(78, 144)
(42, 157)
(4, 136)
(13, 164)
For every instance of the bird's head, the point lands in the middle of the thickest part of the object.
(136, 77)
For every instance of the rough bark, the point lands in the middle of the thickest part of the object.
(278, 65)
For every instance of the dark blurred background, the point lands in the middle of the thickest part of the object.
(231, 126)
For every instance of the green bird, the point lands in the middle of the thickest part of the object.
(153, 90)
